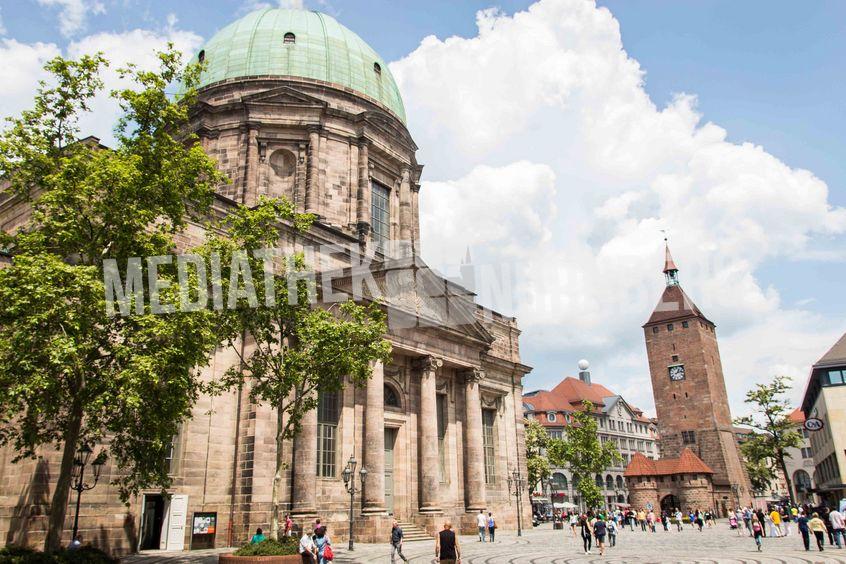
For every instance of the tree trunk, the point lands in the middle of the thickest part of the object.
(277, 478)
(59, 503)
(787, 479)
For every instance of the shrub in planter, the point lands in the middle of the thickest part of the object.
(269, 547)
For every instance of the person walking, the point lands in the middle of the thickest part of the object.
(641, 518)
(679, 520)
(447, 548)
(289, 525)
(762, 520)
(802, 524)
(574, 524)
(600, 529)
(757, 533)
(775, 519)
(586, 532)
(491, 526)
(321, 542)
(826, 517)
(396, 543)
(819, 529)
(747, 519)
(787, 522)
(612, 532)
(482, 525)
(838, 527)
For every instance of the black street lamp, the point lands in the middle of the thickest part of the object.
(349, 484)
(515, 480)
(78, 484)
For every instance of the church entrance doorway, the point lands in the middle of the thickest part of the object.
(670, 503)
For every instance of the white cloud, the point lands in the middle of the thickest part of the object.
(2, 27)
(21, 68)
(73, 14)
(564, 168)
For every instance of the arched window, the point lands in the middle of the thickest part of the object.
(201, 56)
(598, 481)
(391, 397)
(289, 38)
(609, 482)
(377, 68)
(283, 163)
(559, 481)
(801, 480)
(619, 482)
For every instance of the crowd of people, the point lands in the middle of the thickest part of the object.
(778, 521)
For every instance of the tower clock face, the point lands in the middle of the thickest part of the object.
(677, 373)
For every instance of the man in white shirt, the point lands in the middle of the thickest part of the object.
(482, 523)
(307, 548)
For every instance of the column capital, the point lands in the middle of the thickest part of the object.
(473, 375)
(428, 363)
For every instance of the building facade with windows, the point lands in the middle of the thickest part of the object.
(619, 422)
(292, 104)
(800, 465)
(825, 400)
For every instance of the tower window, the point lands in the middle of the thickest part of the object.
(377, 68)
(670, 327)
(201, 56)
(675, 358)
(655, 329)
(289, 38)
(685, 324)
(688, 437)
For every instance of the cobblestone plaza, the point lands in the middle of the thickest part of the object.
(545, 546)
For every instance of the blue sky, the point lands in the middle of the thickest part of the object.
(769, 73)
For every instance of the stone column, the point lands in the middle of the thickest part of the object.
(313, 187)
(374, 442)
(363, 203)
(415, 218)
(427, 430)
(474, 462)
(304, 495)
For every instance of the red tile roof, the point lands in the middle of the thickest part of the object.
(686, 463)
(796, 416)
(568, 396)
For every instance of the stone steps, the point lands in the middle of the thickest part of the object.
(413, 533)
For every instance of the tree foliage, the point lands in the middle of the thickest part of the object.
(584, 454)
(293, 350)
(69, 374)
(767, 449)
(537, 463)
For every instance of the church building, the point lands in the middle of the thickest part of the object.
(293, 104)
(700, 463)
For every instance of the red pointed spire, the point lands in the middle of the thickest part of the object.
(669, 264)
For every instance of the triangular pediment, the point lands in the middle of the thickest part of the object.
(283, 95)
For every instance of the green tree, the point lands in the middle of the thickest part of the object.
(294, 349)
(537, 463)
(70, 375)
(766, 449)
(584, 454)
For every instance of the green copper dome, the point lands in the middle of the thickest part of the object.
(279, 42)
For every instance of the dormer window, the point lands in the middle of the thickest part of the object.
(201, 57)
(377, 68)
(289, 38)
(550, 417)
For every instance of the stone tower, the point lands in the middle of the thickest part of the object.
(689, 389)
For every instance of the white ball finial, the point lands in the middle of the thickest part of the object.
(584, 364)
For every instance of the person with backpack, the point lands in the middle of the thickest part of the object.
(612, 532)
(323, 546)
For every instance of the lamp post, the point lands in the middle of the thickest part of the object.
(78, 484)
(516, 481)
(349, 484)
